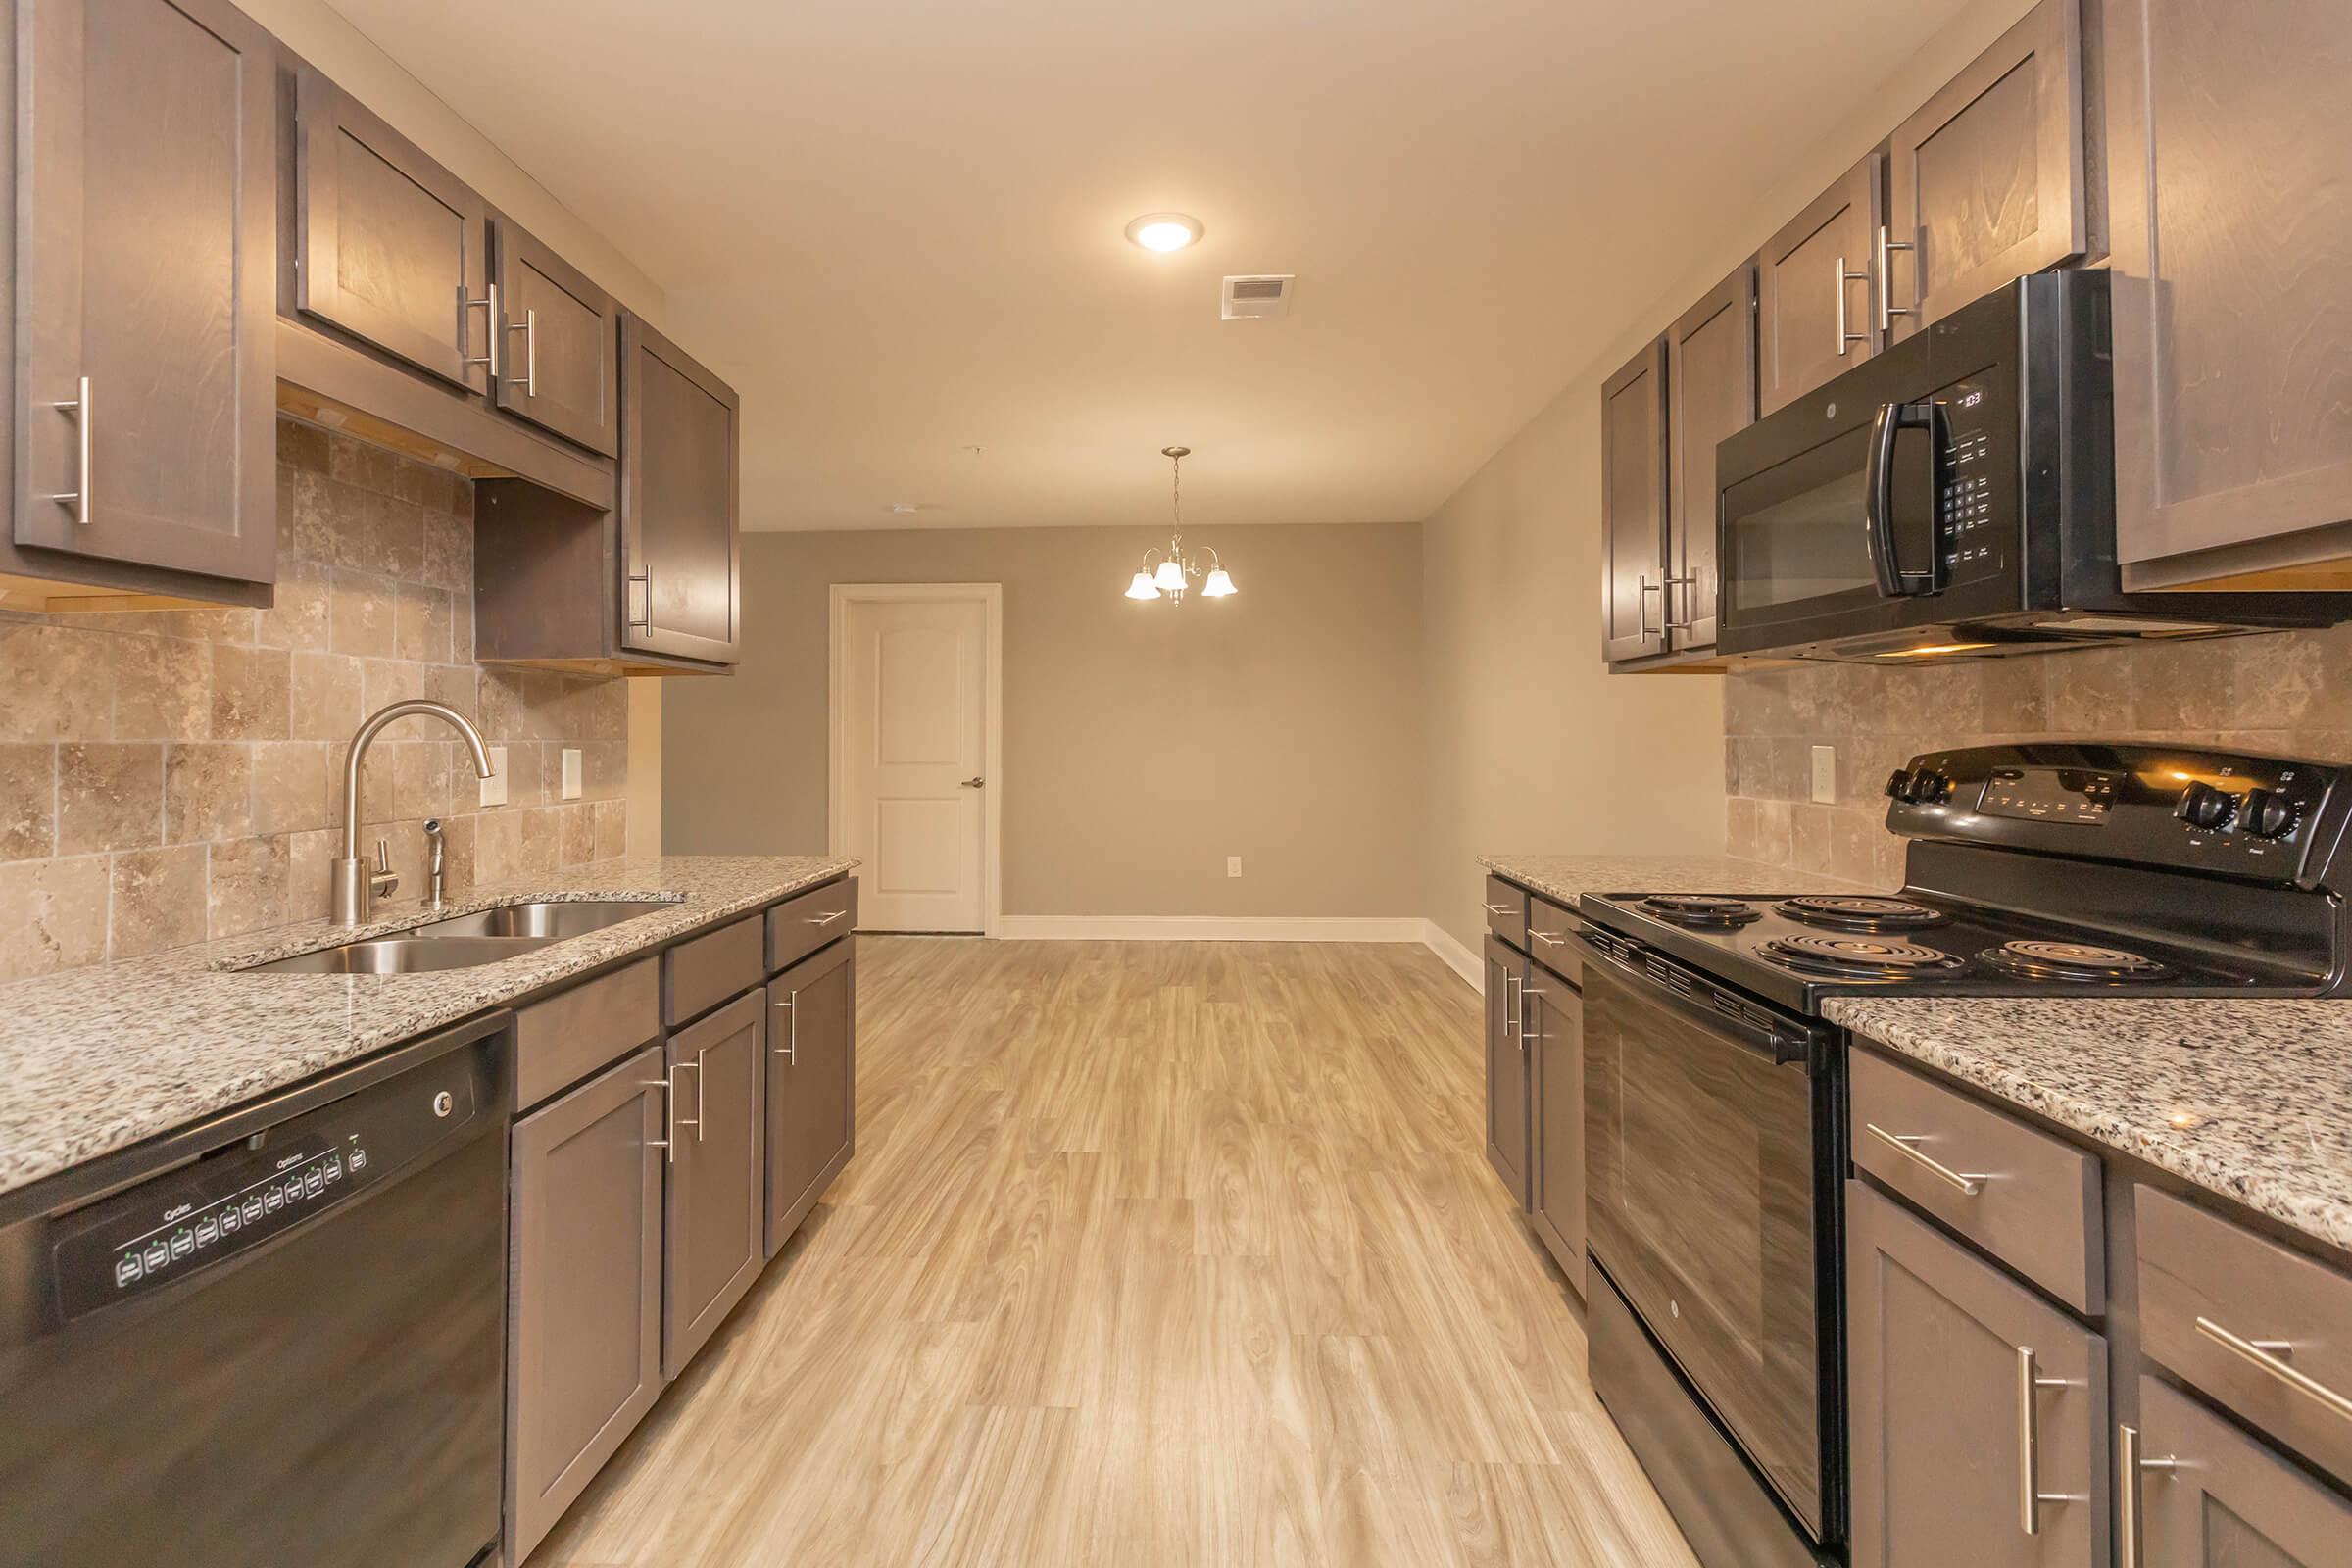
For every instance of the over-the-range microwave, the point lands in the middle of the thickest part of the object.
(1954, 495)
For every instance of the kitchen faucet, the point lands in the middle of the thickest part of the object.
(352, 888)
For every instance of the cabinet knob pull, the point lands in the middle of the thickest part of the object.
(2271, 1355)
(2029, 1497)
(1888, 309)
(488, 305)
(1847, 337)
(78, 498)
(528, 326)
(1905, 1143)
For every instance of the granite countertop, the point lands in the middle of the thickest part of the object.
(2249, 1099)
(1567, 877)
(95, 1059)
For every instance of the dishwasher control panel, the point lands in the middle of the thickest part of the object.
(168, 1229)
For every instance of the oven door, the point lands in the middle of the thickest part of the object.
(1701, 1203)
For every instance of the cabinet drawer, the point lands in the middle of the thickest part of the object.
(2031, 1199)
(700, 974)
(1552, 942)
(570, 1035)
(1506, 912)
(2205, 1282)
(799, 926)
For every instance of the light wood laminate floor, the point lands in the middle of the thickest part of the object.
(1151, 1253)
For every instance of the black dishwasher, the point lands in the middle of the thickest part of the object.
(274, 1337)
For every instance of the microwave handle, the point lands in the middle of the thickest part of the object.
(1878, 499)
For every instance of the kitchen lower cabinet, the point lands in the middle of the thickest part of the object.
(584, 1351)
(713, 1236)
(812, 1084)
(1633, 509)
(1816, 290)
(1506, 1069)
(1554, 1023)
(2200, 1494)
(1979, 1412)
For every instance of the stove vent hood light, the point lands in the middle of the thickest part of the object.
(2130, 626)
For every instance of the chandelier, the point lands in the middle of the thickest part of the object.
(1175, 569)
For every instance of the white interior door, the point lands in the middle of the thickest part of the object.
(915, 686)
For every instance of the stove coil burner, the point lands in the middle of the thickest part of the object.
(1699, 910)
(1848, 913)
(2077, 962)
(1860, 958)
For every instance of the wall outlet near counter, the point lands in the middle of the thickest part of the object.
(494, 788)
(1825, 774)
(1233, 865)
(571, 774)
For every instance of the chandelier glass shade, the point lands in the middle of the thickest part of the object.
(1174, 571)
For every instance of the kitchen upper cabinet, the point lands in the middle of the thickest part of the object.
(1985, 182)
(1633, 589)
(2200, 1494)
(1980, 1414)
(584, 1361)
(1506, 1069)
(713, 1237)
(1554, 1020)
(2231, 209)
(811, 1083)
(558, 352)
(1815, 294)
(681, 541)
(144, 252)
(1710, 393)
(391, 247)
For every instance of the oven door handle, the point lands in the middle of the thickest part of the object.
(1878, 500)
(1781, 1042)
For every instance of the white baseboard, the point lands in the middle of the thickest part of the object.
(1204, 928)
(1460, 960)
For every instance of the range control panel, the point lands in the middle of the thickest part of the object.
(2263, 817)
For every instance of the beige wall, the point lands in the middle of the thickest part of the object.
(1144, 743)
(1533, 746)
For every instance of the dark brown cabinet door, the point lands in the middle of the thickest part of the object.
(680, 541)
(712, 1250)
(1634, 592)
(1555, 1052)
(558, 352)
(1710, 393)
(2231, 241)
(1980, 1414)
(391, 247)
(1815, 294)
(1506, 1069)
(1984, 183)
(2204, 1494)
(146, 256)
(811, 1083)
(585, 1361)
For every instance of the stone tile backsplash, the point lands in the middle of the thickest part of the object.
(172, 776)
(2282, 694)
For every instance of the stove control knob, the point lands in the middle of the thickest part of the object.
(1898, 784)
(2267, 814)
(1927, 787)
(2202, 805)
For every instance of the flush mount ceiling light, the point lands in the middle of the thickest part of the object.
(1164, 231)
(1168, 578)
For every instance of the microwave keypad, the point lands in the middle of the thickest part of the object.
(1963, 504)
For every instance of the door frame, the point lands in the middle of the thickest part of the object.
(991, 595)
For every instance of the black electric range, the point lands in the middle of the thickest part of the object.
(1715, 1090)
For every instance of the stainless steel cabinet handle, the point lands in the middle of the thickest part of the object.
(1548, 940)
(1511, 1022)
(699, 1079)
(1846, 336)
(647, 620)
(2271, 1357)
(1902, 1144)
(827, 918)
(1888, 309)
(1528, 1028)
(1643, 629)
(2029, 1497)
(2128, 1467)
(666, 1083)
(488, 305)
(529, 328)
(1665, 603)
(1499, 908)
(790, 1052)
(78, 498)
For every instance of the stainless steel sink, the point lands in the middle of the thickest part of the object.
(403, 954)
(552, 920)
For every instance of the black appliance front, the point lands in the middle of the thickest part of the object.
(1709, 1123)
(1954, 495)
(288, 1351)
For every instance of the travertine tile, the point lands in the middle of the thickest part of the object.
(162, 689)
(385, 681)
(421, 619)
(56, 683)
(251, 693)
(289, 786)
(577, 840)
(109, 796)
(27, 801)
(157, 899)
(360, 610)
(448, 547)
(310, 524)
(611, 819)
(329, 696)
(56, 915)
(208, 791)
(301, 618)
(247, 885)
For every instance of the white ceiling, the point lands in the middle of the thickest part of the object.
(894, 225)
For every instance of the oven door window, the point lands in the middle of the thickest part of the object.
(1793, 536)
(1699, 1203)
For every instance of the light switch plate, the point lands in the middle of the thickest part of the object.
(494, 788)
(1233, 865)
(571, 774)
(1825, 774)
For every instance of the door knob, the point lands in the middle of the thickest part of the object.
(974, 783)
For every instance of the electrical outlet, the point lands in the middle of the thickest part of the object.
(494, 788)
(1825, 774)
(571, 774)
(1233, 865)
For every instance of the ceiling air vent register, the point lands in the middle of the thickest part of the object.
(1248, 298)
